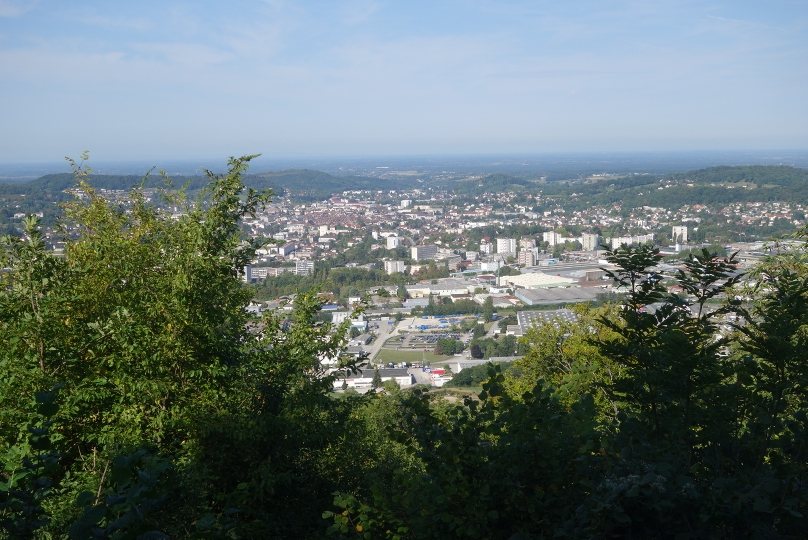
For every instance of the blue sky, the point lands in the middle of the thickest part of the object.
(148, 79)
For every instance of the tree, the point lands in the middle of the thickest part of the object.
(143, 323)
(402, 293)
(377, 379)
(488, 309)
(476, 351)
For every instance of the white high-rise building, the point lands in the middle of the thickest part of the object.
(486, 248)
(391, 267)
(680, 234)
(304, 267)
(506, 245)
(629, 240)
(393, 242)
(406, 203)
(590, 241)
(551, 238)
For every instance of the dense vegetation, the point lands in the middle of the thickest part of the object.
(711, 186)
(492, 183)
(139, 400)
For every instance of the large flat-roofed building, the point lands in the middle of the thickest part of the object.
(423, 253)
(393, 242)
(363, 379)
(535, 280)
(526, 319)
(557, 295)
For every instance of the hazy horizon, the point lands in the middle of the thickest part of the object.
(552, 162)
(159, 81)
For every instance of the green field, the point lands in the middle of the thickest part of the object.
(408, 356)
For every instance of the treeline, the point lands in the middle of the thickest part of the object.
(342, 282)
(446, 306)
(771, 183)
(493, 183)
(476, 375)
(760, 175)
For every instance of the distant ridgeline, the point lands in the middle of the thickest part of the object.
(715, 185)
(712, 186)
(297, 182)
(493, 183)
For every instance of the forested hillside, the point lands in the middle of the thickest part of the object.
(138, 399)
(298, 182)
(488, 184)
(712, 186)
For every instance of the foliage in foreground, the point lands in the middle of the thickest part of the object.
(691, 424)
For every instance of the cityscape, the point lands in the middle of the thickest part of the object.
(372, 270)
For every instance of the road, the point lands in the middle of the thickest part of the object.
(384, 332)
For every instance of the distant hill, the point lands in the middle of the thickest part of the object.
(760, 175)
(315, 185)
(302, 184)
(490, 184)
(711, 186)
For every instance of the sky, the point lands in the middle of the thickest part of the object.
(185, 80)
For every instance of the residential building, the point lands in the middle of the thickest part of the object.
(679, 234)
(629, 240)
(391, 267)
(304, 268)
(506, 245)
(393, 242)
(527, 257)
(590, 241)
(423, 253)
(552, 238)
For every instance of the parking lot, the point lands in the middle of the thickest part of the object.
(431, 339)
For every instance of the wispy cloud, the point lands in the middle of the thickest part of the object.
(186, 54)
(15, 8)
(324, 74)
(115, 23)
(358, 11)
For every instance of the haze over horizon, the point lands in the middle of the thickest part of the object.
(180, 81)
